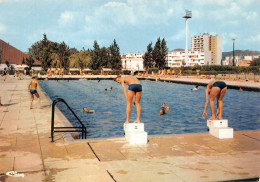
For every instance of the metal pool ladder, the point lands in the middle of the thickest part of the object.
(61, 129)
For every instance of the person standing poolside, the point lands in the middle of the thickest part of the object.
(32, 88)
(215, 89)
(134, 89)
(5, 74)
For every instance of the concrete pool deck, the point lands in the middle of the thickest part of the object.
(25, 147)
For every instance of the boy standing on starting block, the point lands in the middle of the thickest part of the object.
(215, 89)
(134, 89)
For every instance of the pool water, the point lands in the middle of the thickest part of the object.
(242, 109)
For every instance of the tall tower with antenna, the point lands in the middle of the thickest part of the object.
(187, 16)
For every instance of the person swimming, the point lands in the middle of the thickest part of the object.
(162, 111)
(167, 108)
(196, 87)
(163, 105)
(85, 109)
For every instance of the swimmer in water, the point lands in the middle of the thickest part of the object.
(196, 87)
(215, 89)
(134, 89)
(32, 88)
(162, 111)
(163, 105)
(85, 109)
(167, 108)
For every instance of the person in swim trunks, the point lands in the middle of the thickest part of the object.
(32, 88)
(215, 89)
(134, 89)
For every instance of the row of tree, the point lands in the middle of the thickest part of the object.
(59, 55)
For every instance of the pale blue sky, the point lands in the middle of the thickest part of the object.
(133, 23)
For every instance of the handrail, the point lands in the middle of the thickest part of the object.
(83, 128)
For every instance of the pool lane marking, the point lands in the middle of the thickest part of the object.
(93, 151)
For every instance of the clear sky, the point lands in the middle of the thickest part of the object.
(132, 23)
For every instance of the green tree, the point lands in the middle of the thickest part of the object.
(95, 61)
(104, 58)
(80, 59)
(157, 53)
(114, 56)
(255, 62)
(164, 51)
(148, 57)
(42, 50)
(63, 53)
(29, 61)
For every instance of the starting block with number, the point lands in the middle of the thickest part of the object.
(220, 129)
(135, 134)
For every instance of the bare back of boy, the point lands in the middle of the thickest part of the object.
(130, 80)
(33, 91)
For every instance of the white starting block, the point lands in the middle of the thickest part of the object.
(135, 134)
(217, 123)
(220, 129)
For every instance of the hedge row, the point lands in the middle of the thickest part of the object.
(93, 72)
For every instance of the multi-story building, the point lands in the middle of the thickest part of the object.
(216, 49)
(200, 42)
(133, 61)
(211, 45)
(174, 58)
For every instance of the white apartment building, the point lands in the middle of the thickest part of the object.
(211, 45)
(133, 61)
(174, 58)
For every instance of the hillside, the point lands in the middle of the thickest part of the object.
(240, 53)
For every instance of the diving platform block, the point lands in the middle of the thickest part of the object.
(221, 133)
(220, 129)
(217, 123)
(135, 134)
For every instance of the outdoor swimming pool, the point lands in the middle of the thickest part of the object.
(242, 109)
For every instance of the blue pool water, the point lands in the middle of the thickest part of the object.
(242, 109)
